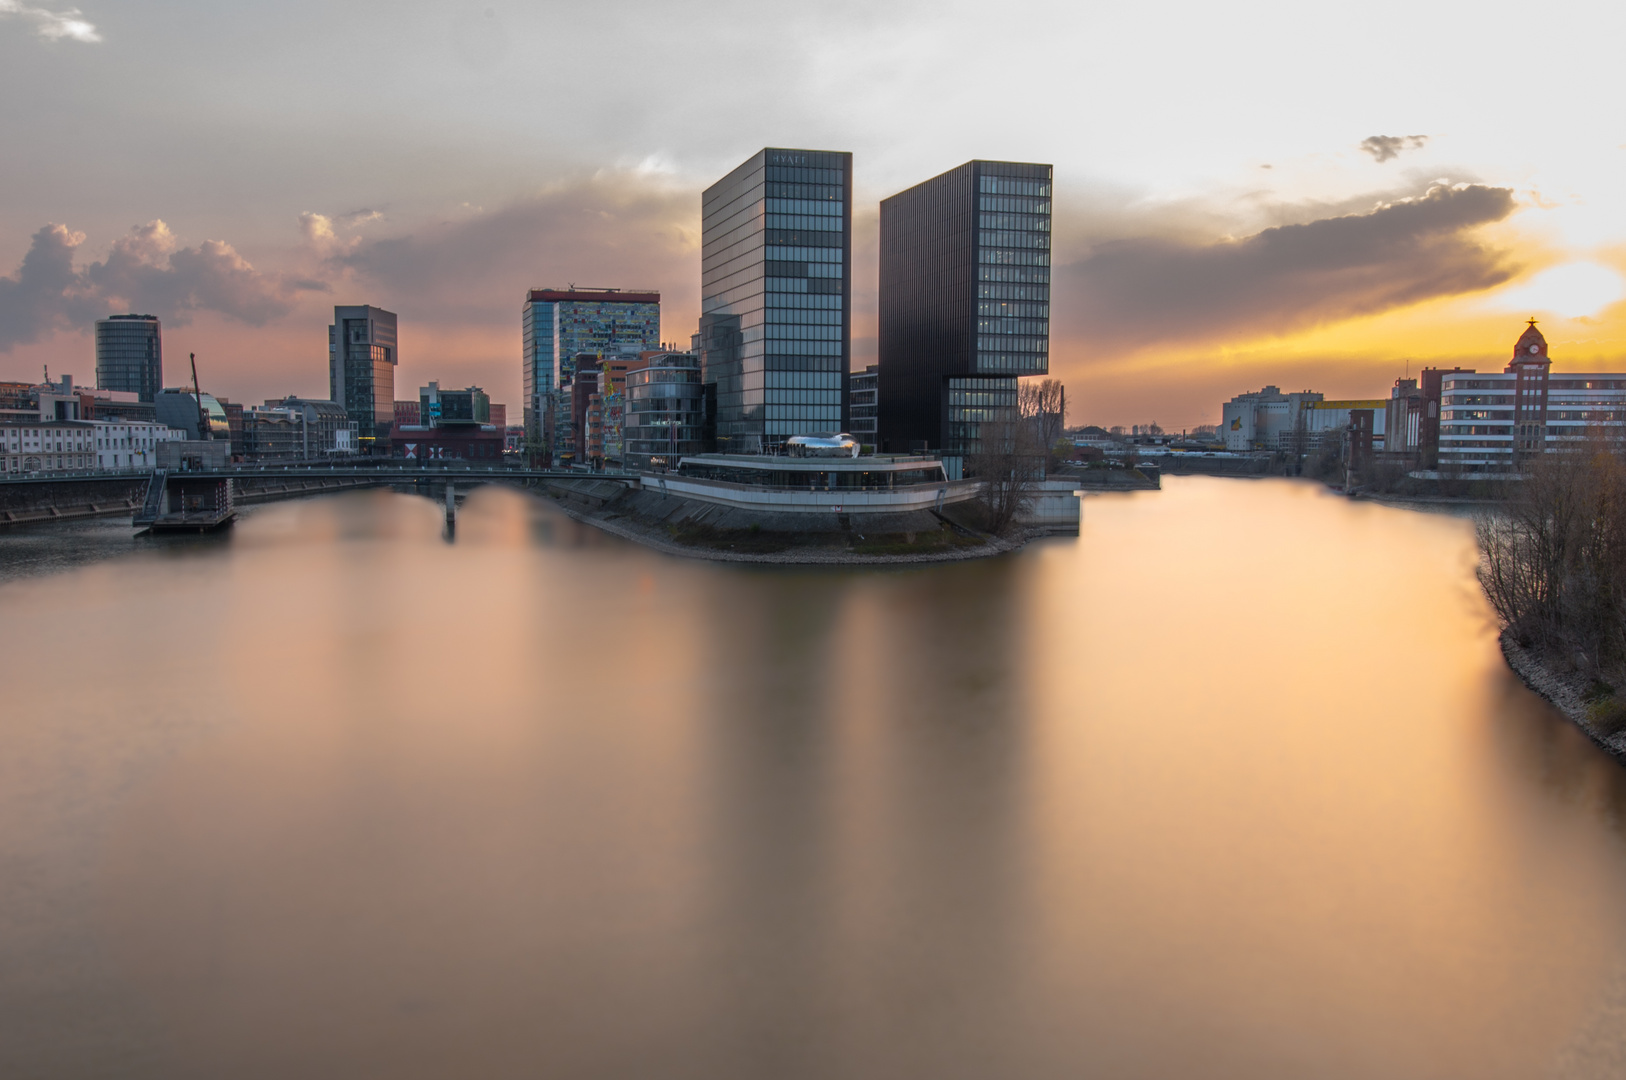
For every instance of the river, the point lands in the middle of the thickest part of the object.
(1234, 784)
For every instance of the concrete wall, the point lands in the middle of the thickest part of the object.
(797, 501)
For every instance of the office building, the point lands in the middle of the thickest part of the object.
(326, 430)
(964, 304)
(362, 357)
(557, 326)
(406, 414)
(130, 355)
(449, 408)
(1493, 423)
(776, 298)
(664, 414)
(862, 405)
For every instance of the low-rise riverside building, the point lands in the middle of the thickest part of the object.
(47, 446)
(1270, 420)
(1491, 423)
(123, 444)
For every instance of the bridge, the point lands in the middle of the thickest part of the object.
(92, 493)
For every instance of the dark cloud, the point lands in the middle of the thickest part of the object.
(1135, 292)
(1384, 147)
(145, 270)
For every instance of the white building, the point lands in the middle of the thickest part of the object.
(1271, 420)
(130, 444)
(1490, 422)
(46, 446)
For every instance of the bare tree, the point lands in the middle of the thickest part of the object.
(1044, 404)
(1553, 557)
(1009, 462)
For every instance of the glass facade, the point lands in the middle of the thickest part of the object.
(362, 356)
(559, 325)
(776, 298)
(663, 418)
(965, 302)
(130, 355)
(861, 425)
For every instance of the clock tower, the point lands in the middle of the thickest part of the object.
(1530, 365)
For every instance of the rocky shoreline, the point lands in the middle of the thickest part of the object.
(1565, 690)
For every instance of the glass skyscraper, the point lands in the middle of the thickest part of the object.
(965, 303)
(776, 298)
(130, 355)
(558, 325)
(362, 356)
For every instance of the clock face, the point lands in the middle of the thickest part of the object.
(1535, 348)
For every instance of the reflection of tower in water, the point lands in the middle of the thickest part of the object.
(852, 717)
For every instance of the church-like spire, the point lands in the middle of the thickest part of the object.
(1532, 347)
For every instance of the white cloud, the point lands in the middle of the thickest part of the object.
(53, 25)
(1573, 290)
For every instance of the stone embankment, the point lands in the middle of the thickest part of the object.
(699, 530)
(1566, 690)
(29, 502)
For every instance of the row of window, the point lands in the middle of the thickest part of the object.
(791, 238)
(814, 192)
(784, 174)
(1019, 222)
(786, 410)
(1013, 204)
(792, 253)
(803, 316)
(787, 268)
(1013, 326)
(804, 300)
(1033, 310)
(1002, 343)
(1006, 239)
(805, 397)
(830, 286)
(801, 348)
(1032, 275)
(1006, 185)
(801, 332)
(802, 380)
(1013, 258)
(813, 207)
(801, 222)
(1012, 363)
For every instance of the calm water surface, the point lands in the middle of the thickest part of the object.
(1235, 784)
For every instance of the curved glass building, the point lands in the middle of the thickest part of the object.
(130, 355)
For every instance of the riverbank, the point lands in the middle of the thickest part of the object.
(1566, 691)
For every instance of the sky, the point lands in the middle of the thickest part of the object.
(1321, 197)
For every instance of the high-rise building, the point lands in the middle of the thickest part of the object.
(559, 325)
(776, 298)
(964, 304)
(664, 403)
(362, 356)
(130, 355)
(862, 405)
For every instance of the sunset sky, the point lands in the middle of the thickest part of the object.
(1316, 196)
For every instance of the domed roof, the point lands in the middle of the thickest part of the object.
(1531, 346)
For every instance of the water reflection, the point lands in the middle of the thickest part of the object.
(1233, 784)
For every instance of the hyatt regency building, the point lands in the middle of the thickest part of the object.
(964, 304)
(776, 298)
